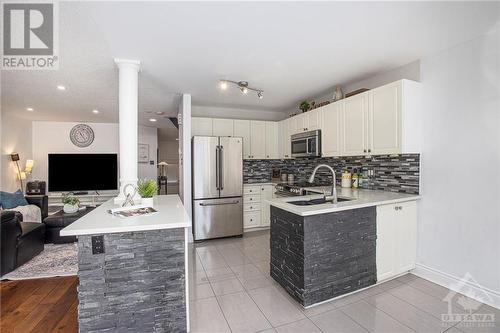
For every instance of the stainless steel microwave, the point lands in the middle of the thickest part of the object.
(307, 144)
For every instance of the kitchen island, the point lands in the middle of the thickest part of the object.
(132, 271)
(323, 251)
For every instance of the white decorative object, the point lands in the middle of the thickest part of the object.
(143, 153)
(338, 94)
(69, 209)
(148, 202)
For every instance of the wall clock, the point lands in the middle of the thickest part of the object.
(82, 135)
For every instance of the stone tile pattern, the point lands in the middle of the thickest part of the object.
(316, 258)
(137, 285)
(396, 173)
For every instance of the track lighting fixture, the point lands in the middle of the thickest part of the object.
(242, 85)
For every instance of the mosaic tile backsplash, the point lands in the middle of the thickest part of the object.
(396, 173)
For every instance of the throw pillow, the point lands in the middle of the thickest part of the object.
(12, 200)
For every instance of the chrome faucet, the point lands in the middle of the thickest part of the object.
(333, 193)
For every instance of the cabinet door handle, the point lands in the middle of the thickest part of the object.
(364, 150)
(400, 207)
(369, 150)
(396, 208)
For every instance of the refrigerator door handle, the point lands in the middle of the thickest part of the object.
(219, 203)
(221, 170)
(217, 166)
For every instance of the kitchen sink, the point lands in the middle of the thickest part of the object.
(319, 201)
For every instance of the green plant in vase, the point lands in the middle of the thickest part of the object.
(71, 203)
(304, 106)
(147, 188)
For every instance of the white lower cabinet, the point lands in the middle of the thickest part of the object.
(256, 211)
(396, 239)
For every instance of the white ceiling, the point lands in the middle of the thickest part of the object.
(291, 50)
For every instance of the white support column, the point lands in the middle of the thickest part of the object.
(128, 123)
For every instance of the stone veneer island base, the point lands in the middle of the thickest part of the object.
(319, 257)
(138, 284)
(132, 270)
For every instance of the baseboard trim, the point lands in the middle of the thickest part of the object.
(255, 229)
(452, 282)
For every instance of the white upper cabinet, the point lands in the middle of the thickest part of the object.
(293, 124)
(307, 121)
(331, 129)
(286, 140)
(258, 139)
(385, 119)
(313, 119)
(301, 123)
(354, 124)
(242, 129)
(272, 147)
(201, 126)
(222, 127)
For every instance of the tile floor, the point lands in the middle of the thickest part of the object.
(231, 291)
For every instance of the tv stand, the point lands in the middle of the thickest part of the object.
(88, 199)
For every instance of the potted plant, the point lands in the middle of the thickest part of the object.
(146, 189)
(304, 106)
(70, 202)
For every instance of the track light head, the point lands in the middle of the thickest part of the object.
(242, 85)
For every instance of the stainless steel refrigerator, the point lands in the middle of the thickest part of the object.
(217, 166)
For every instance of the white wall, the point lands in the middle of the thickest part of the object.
(15, 137)
(169, 152)
(149, 135)
(459, 215)
(53, 137)
(185, 154)
(236, 113)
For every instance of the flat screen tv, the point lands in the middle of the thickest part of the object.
(82, 172)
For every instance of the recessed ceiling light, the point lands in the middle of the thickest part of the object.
(152, 120)
(223, 85)
(95, 111)
(60, 87)
(30, 109)
(160, 113)
(176, 139)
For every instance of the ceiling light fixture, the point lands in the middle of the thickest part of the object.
(243, 86)
(95, 111)
(160, 113)
(60, 87)
(152, 120)
(30, 109)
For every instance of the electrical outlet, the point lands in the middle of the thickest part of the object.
(97, 244)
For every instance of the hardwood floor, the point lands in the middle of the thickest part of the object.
(39, 305)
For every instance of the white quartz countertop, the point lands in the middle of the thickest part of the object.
(360, 198)
(171, 214)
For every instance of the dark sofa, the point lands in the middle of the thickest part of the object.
(21, 241)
